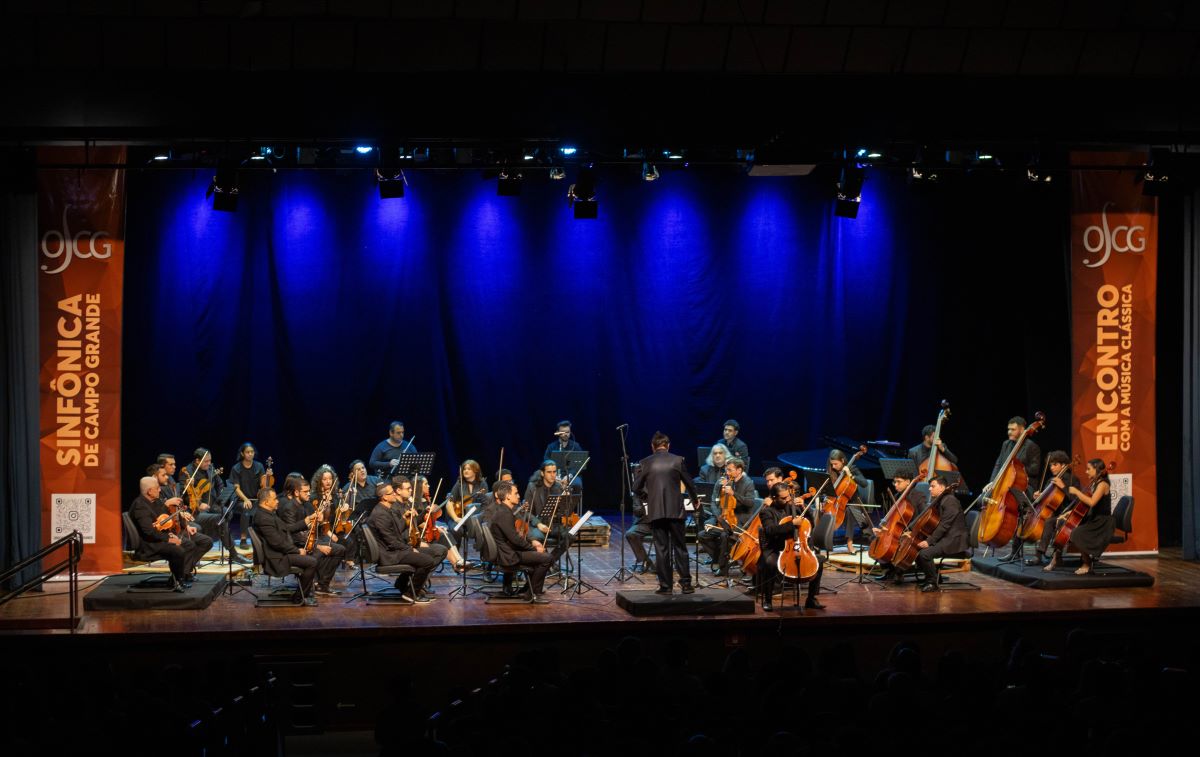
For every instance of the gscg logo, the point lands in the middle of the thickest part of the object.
(62, 244)
(1117, 239)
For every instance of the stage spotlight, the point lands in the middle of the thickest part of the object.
(567, 150)
(224, 187)
(557, 174)
(649, 172)
(582, 194)
(391, 185)
(363, 149)
(508, 184)
(162, 156)
(849, 191)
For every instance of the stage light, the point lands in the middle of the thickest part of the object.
(985, 156)
(363, 149)
(649, 172)
(582, 194)
(673, 154)
(849, 191)
(162, 157)
(224, 187)
(1035, 176)
(567, 150)
(391, 185)
(509, 184)
(557, 174)
(258, 157)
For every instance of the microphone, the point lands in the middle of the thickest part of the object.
(623, 425)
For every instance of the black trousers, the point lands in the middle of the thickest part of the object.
(716, 543)
(181, 558)
(669, 543)
(636, 537)
(210, 523)
(423, 562)
(327, 564)
(926, 557)
(308, 570)
(243, 517)
(768, 574)
(537, 564)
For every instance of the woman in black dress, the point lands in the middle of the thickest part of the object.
(1093, 534)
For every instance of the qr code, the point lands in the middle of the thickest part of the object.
(1120, 484)
(73, 512)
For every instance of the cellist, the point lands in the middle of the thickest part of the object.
(900, 481)
(833, 468)
(772, 538)
(1095, 531)
(1056, 461)
(950, 536)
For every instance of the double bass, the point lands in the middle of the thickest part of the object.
(936, 462)
(796, 560)
(1045, 506)
(1075, 515)
(844, 489)
(998, 521)
(885, 544)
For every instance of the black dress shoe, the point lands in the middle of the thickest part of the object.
(930, 587)
(327, 591)
(767, 606)
(236, 558)
(665, 590)
(538, 599)
(721, 572)
(689, 589)
(812, 604)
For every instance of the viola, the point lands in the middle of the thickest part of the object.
(935, 462)
(796, 560)
(1075, 516)
(429, 528)
(269, 476)
(198, 491)
(998, 521)
(1044, 507)
(521, 522)
(844, 489)
(891, 528)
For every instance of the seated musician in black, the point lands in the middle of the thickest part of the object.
(296, 515)
(471, 488)
(387, 453)
(920, 453)
(280, 552)
(359, 495)
(181, 551)
(773, 537)
(544, 486)
(443, 546)
(1060, 467)
(514, 550)
(637, 534)
(900, 481)
(1094, 533)
(209, 510)
(391, 530)
(717, 536)
(855, 516)
(950, 536)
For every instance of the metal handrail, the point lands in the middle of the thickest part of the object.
(74, 544)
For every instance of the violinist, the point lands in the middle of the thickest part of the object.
(900, 481)
(735, 446)
(546, 484)
(281, 552)
(950, 536)
(359, 494)
(470, 489)
(833, 468)
(420, 506)
(772, 538)
(167, 462)
(921, 452)
(1094, 532)
(296, 515)
(390, 523)
(514, 550)
(717, 536)
(1059, 465)
(247, 476)
(325, 498)
(207, 486)
(181, 550)
(383, 458)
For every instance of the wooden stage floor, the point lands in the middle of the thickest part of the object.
(1175, 596)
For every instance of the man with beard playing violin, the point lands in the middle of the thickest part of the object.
(777, 528)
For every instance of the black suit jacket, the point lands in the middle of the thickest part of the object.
(144, 513)
(291, 514)
(276, 541)
(952, 526)
(920, 454)
(657, 485)
(1030, 456)
(389, 531)
(508, 541)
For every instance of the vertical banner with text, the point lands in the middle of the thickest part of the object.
(81, 251)
(1114, 263)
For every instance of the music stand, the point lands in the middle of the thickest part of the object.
(580, 583)
(556, 506)
(360, 547)
(464, 591)
(415, 464)
(569, 461)
(231, 588)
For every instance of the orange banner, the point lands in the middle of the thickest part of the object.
(1114, 251)
(81, 252)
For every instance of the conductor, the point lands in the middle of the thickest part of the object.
(660, 484)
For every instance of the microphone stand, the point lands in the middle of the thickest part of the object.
(623, 573)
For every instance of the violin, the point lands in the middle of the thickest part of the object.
(998, 521)
(171, 522)
(796, 560)
(844, 489)
(892, 527)
(322, 509)
(935, 462)
(522, 523)
(1044, 507)
(1076, 515)
(728, 503)
(429, 528)
(269, 476)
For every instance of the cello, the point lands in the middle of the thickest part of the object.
(935, 462)
(844, 489)
(1044, 507)
(1076, 514)
(998, 521)
(748, 549)
(796, 560)
(885, 544)
(920, 530)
